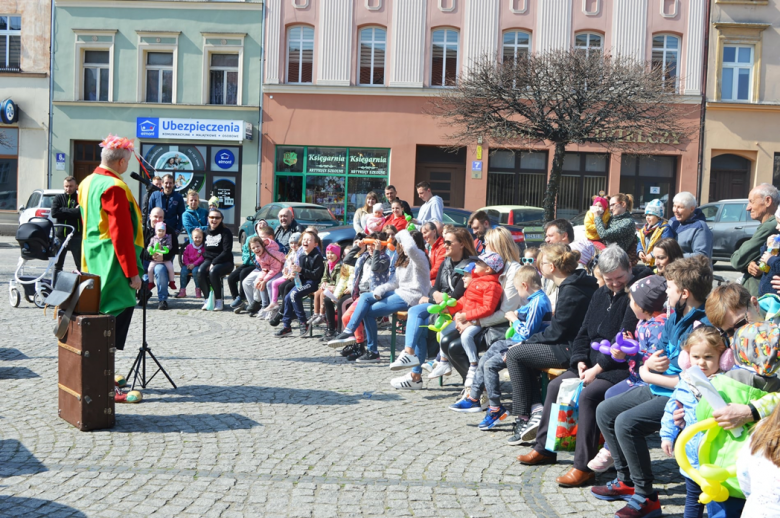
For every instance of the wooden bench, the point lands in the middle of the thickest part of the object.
(402, 317)
(551, 374)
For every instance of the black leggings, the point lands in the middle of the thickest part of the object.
(452, 348)
(237, 277)
(524, 362)
(212, 280)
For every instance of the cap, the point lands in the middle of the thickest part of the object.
(159, 225)
(756, 346)
(467, 269)
(492, 259)
(378, 207)
(295, 237)
(655, 208)
(585, 248)
(650, 293)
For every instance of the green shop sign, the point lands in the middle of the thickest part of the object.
(368, 162)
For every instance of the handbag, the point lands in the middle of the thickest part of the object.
(74, 293)
(564, 415)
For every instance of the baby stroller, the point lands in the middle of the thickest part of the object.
(37, 241)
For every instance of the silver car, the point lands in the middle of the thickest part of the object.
(731, 226)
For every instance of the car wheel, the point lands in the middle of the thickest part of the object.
(241, 238)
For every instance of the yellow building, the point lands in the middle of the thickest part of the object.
(742, 122)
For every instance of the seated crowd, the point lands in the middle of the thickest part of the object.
(619, 313)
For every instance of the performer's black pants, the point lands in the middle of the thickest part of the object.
(122, 327)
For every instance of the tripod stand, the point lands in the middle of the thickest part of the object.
(139, 365)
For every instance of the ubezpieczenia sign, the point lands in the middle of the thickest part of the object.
(189, 129)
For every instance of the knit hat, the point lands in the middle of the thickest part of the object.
(598, 200)
(378, 208)
(333, 247)
(296, 237)
(650, 293)
(585, 248)
(214, 201)
(492, 259)
(160, 225)
(757, 346)
(655, 208)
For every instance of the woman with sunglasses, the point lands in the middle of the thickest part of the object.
(218, 258)
(458, 248)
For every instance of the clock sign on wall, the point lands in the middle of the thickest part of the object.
(9, 112)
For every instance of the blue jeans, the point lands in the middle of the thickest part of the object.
(693, 509)
(417, 333)
(369, 309)
(486, 378)
(162, 280)
(293, 302)
(184, 277)
(731, 508)
(469, 345)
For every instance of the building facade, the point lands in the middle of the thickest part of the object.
(25, 29)
(181, 78)
(347, 84)
(741, 142)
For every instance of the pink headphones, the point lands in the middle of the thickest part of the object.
(726, 360)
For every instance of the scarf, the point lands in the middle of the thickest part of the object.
(649, 230)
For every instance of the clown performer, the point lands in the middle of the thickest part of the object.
(113, 235)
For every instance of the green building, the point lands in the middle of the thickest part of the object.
(181, 78)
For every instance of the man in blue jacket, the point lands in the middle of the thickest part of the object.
(690, 226)
(171, 202)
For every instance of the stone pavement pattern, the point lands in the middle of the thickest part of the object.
(260, 427)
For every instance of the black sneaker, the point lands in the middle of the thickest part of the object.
(349, 349)
(276, 320)
(528, 433)
(240, 309)
(342, 339)
(284, 331)
(358, 350)
(518, 433)
(304, 332)
(252, 308)
(163, 305)
(369, 357)
(328, 336)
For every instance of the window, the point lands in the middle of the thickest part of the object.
(10, 42)
(223, 79)
(733, 212)
(516, 177)
(736, 74)
(159, 77)
(9, 148)
(372, 56)
(516, 44)
(710, 212)
(444, 58)
(96, 72)
(665, 56)
(588, 42)
(300, 55)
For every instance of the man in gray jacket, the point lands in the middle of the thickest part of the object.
(762, 205)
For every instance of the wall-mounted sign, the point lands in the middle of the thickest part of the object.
(225, 190)
(60, 162)
(224, 159)
(655, 190)
(369, 162)
(9, 111)
(476, 165)
(326, 160)
(189, 129)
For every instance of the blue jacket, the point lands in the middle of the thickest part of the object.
(533, 317)
(765, 285)
(693, 235)
(675, 332)
(192, 219)
(172, 205)
(685, 394)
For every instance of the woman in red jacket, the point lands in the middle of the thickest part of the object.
(397, 218)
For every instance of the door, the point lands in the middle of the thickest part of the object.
(729, 177)
(447, 181)
(227, 188)
(86, 157)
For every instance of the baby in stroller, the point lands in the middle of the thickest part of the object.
(160, 243)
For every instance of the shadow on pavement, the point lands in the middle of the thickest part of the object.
(10, 354)
(16, 373)
(35, 507)
(269, 395)
(182, 423)
(16, 459)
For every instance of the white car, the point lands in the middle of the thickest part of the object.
(38, 205)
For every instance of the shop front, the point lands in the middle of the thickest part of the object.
(338, 178)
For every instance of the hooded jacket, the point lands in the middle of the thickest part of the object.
(481, 299)
(437, 256)
(380, 268)
(410, 282)
(693, 235)
(192, 255)
(647, 240)
(312, 266)
(271, 262)
(192, 219)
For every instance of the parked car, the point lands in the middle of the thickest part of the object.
(306, 214)
(38, 205)
(519, 215)
(731, 226)
(534, 236)
(344, 235)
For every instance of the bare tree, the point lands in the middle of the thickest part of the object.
(560, 98)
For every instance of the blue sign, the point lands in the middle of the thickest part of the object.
(476, 165)
(147, 127)
(61, 158)
(189, 129)
(224, 159)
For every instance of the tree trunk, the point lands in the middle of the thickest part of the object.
(551, 195)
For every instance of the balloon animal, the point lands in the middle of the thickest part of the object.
(709, 477)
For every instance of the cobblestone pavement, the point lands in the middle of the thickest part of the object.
(260, 427)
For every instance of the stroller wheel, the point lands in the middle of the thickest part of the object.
(14, 297)
(40, 296)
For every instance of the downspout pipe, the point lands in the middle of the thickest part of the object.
(705, 69)
(51, 97)
(260, 112)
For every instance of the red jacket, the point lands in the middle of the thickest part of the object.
(436, 255)
(398, 223)
(482, 297)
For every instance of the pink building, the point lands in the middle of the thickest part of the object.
(346, 84)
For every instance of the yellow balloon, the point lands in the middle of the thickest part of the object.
(709, 477)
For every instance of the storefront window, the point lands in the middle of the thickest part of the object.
(336, 178)
(648, 177)
(9, 145)
(517, 177)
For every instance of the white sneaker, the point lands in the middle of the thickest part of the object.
(205, 305)
(218, 305)
(406, 383)
(429, 365)
(404, 361)
(262, 315)
(441, 369)
(470, 376)
(483, 401)
(314, 320)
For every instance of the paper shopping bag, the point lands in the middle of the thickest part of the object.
(564, 414)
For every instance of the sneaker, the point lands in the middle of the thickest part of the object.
(602, 461)
(405, 382)
(261, 315)
(236, 302)
(305, 328)
(240, 309)
(283, 331)
(275, 320)
(640, 507)
(528, 433)
(517, 433)
(615, 490)
(252, 308)
(218, 305)
(329, 335)
(182, 293)
(404, 361)
(205, 306)
(172, 285)
(492, 418)
(163, 305)
(466, 405)
(428, 366)
(348, 350)
(369, 357)
(198, 293)
(342, 339)
(470, 376)
(483, 401)
(358, 350)
(442, 369)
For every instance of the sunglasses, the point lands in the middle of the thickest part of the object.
(214, 217)
(527, 260)
(726, 334)
(448, 243)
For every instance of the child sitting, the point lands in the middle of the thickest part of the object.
(192, 258)
(339, 298)
(397, 218)
(376, 221)
(160, 242)
(329, 279)
(532, 317)
(647, 298)
(268, 266)
(705, 349)
(481, 299)
(590, 226)
(772, 242)
(309, 272)
(288, 275)
(655, 229)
